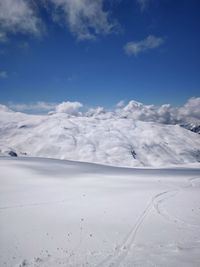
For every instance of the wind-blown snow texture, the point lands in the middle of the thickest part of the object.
(124, 137)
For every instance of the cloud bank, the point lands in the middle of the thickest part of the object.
(37, 107)
(71, 108)
(166, 114)
(189, 112)
(136, 47)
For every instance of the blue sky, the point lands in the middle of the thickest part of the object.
(99, 52)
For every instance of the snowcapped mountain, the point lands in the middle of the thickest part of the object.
(194, 127)
(98, 136)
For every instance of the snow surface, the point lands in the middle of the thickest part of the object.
(61, 213)
(98, 136)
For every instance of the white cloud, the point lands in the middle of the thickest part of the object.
(71, 108)
(190, 110)
(120, 104)
(85, 18)
(4, 108)
(18, 16)
(137, 47)
(139, 111)
(37, 107)
(93, 112)
(3, 74)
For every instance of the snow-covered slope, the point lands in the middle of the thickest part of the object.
(103, 138)
(70, 214)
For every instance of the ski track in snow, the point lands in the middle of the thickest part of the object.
(163, 197)
(129, 244)
(122, 250)
(126, 246)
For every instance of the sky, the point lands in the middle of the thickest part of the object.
(99, 52)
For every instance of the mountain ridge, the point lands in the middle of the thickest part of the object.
(102, 138)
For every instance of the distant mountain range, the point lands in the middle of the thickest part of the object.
(101, 138)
